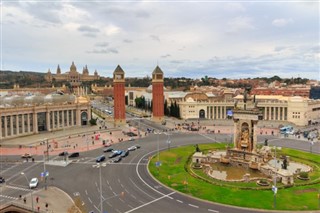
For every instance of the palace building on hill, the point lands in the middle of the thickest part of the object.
(73, 76)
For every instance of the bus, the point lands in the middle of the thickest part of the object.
(286, 130)
(108, 112)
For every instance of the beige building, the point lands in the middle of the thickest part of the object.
(27, 115)
(297, 110)
(73, 76)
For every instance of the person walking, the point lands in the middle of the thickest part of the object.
(37, 199)
(24, 200)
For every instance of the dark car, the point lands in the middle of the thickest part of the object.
(108, 150)
(2, 180)
(63, 153)
(118, 159)
(74, 155)
(131, 134)
(100, 158)
(125, 153)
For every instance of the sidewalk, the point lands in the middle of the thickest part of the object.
(57, 200)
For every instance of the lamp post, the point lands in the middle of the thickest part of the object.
(158, 133)
(22, 173)
(101, 206)
(274, 187)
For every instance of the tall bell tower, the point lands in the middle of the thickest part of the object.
(119, 96)
(157, 95)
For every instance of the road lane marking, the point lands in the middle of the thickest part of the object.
(210, 210)
(107, 182)
(122, 186)
(121, 200)
(193, 205)
(155, 200)
(140, 188)
(89, 199)
(109, 204)
(133, 196)
(179, 201)
(118, 210)
(86, 192)
(130, 206)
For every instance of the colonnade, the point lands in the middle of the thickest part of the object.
(18, 122)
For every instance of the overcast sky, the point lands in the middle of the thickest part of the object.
(235, 39)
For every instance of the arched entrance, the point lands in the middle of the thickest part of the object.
(202, 113)
(84, 118)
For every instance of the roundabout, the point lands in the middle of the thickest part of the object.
(178, 173)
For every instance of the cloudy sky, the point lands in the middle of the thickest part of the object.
(232, 39)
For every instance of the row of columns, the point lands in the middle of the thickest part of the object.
(10, 128)
(10, 124)
(275, 113)
(216, 112)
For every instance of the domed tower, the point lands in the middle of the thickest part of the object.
(73, 68)
(119, 96)
(85, 71)
(58, 70)
(157, 95)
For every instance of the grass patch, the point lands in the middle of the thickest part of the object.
(172, 173)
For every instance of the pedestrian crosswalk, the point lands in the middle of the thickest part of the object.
(8, 197)
(18, 188)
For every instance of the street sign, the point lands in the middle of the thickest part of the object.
(46, 174)
(42, 174)
(158, 163)
(274, 189)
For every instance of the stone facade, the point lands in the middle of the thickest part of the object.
(157, 95)
(119, 96)
(73, 76)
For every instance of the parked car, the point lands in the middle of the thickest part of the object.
(26, 155)
(74, 155)
(118, 159)
(131, 139)
(63, 153)
(132, 148)
(131, 134)
(107, 144)
(108, 150)
(2, 180)
(33, 183)
(125, 153)
(100, 158)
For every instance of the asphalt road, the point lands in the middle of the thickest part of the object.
(126, 186)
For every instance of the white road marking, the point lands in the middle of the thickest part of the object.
(9, 197)
(121, 200)
(140, 188)
(155, 200)
(107, 182)
(133, 196)
(118, 210)
(170, 197)
(130, 206)
(86, 192)
(210, 210)
(126, 191)
(110, 188)
(89, 199)
(109, 204)
(179, 201)
(118, 180)
(96, 184)
(193, 205)
(122, 186)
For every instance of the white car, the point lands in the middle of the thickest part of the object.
(33, 183)
(131, 148)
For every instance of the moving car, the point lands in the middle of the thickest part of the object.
(63, 153)
(131, 139)
(33, 183)
(116, 160)
(108, 150)
(132, 148)
(26, 155)
(125, 153)
(74, 155)
(100, 158)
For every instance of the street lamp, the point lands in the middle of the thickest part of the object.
(274, 187)
(158, 133)
(98, 165)
(22, 173)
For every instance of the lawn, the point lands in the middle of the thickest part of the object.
(173, 173)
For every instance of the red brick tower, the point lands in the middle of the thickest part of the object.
(119, 96)
(157, 95)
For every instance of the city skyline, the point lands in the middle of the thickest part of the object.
(186, 39)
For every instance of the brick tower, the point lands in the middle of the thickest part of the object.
(157, 95)
(119, 96)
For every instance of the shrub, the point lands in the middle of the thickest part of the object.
(304, 175)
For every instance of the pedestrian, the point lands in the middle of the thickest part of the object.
(20, 197)
(24, 200)
(38, 208)
(47, 205)
(37, 199)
